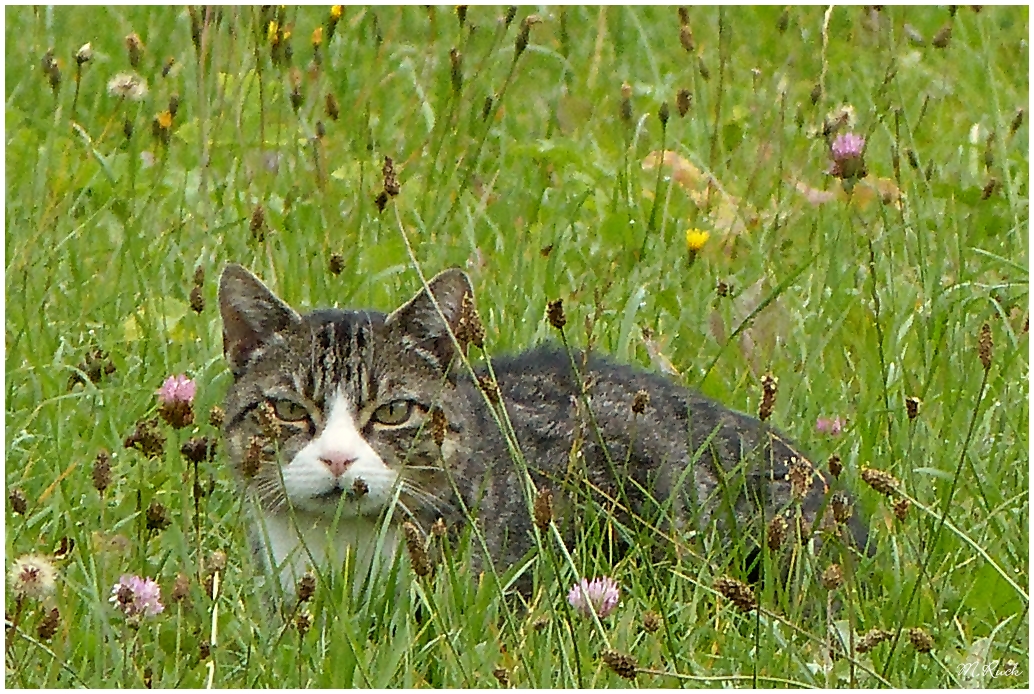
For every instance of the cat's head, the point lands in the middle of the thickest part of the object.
(332, 412)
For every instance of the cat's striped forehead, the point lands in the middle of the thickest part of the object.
(342, 353)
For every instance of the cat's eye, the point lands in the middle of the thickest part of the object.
(289, 411)
(393, 413)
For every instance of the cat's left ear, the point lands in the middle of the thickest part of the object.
(252, 314)
(428, 329)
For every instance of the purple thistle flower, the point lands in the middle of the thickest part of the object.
(833, 426)
(137, 597)
(847, 151)
(599, 594)
(176, 397)
(177, 389)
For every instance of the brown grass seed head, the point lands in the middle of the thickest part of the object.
(871, 639)
(683, 100)
(663, 113)
(800, 477)
(438, 528)
(303, 622)
(626, 103)
(621, 664)
(543, 510)
(336, 263)
(51, 70)
(883, 482)
(640, 401)
(737, 592)
(989, 188)
(1017, 121)
(702, 68)
(306, 587)
(490, 389)
(769, 388)
(49, 624)
(198, 449)
(456, 70)
(840, 503)
(146, 438)
(986, 347)
(470, 329)
(268, 421)
(330, 107)
(555, 314)
(415, 547)
(912, 404)
(18, 502)
(523, 35)
(686, 38)
(180, 588)
(257, 226)
(135, 48)
(502, 675)
(921, 640)
(253, 456)
(439, 426)
(834, 465)
(391, 184)
(156, 517)
(360, 488)
(776, 532)
(943, 37)
(832, 577)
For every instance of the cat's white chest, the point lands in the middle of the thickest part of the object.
(293, 544)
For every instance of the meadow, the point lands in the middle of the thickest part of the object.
(668, 176)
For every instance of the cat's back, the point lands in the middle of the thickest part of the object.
(544, 385)
(542, 390)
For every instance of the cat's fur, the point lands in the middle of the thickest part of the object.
(352, 396)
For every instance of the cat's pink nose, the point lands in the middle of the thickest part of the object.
(336, 462)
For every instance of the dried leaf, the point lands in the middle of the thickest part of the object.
(866, 191)
(815, 196)
(726, 214)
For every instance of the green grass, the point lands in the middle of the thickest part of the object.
(855, 304)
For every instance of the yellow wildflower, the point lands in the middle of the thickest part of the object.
(336, 11)
(695, 239)
(271, 32)
(317, 36)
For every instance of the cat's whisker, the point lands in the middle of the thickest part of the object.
(424, 497)
(426, 468)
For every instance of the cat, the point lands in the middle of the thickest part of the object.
(344, 424)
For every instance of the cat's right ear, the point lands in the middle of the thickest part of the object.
(251, 315)
(421, 320)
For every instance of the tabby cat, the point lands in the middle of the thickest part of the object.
(343, 424)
